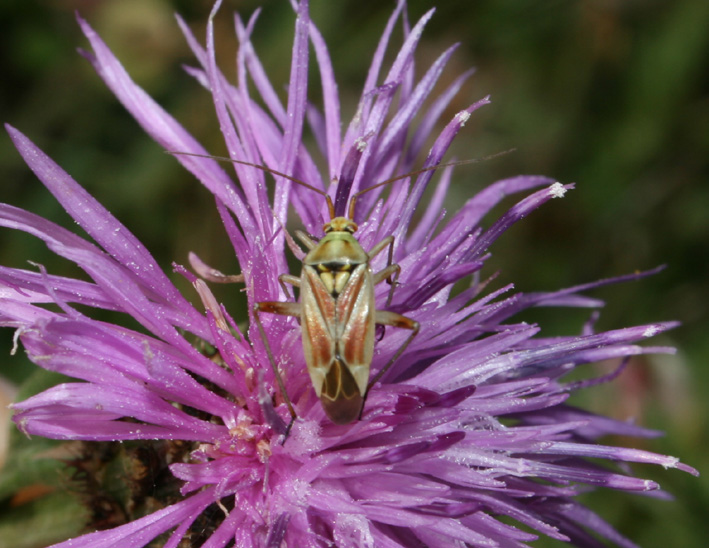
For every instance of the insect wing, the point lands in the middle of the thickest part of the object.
(355, 325)
(338, 341)
(317, 326)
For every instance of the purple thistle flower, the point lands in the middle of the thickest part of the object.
(470, 424)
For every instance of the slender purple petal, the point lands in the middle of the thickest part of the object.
(140, 532)
(160, 125)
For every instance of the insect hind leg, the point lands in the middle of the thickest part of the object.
(385, 317)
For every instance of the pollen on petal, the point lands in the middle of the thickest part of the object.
(462, 117)
(360, 144)
(557, 190)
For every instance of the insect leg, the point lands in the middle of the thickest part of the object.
(210, 274)
(284, 279)
(305, 239)
(283, 309)
(384, 317)
(391, 267)
(386, 274)
(377, 249)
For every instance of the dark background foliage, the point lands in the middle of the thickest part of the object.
(610, 94)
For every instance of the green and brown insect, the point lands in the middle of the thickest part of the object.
(338, 314)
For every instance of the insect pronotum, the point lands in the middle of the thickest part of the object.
(336, 307)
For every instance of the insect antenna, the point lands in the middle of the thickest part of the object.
(330, 205)
(354, 197)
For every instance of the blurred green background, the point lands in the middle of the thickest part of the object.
(610, 94)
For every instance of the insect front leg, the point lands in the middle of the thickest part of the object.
(305, 239)
(282, 309)
(211, 274)
(284, 279)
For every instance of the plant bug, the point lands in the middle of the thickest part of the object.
(338, 314)
(336, 306)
